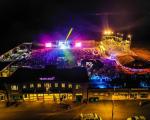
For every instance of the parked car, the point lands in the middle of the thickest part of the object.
(141, 117)
(90, 116)
(65, 106)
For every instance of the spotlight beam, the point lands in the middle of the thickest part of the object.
(69, 33)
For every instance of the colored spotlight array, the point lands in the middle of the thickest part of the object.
(63, 45)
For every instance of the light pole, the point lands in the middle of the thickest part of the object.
(130, 38)
(112, 109)
(113, 106)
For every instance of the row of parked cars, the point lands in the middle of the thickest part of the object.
(94, 116)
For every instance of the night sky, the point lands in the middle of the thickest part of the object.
(28, 20)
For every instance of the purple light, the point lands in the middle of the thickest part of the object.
(48, 78)
(48, 45)
(78, 44)
(112, 57)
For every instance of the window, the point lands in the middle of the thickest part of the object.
(24, 86)
(69, 85)
(31, 85)
(144, 95)
(95, 94)
(2, 98)
(39, 85)
(47, 85)
(14, 87)
(63, 85)
(25, 96)
(56, 84)
(77, 86)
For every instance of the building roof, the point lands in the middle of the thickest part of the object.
(78, 74)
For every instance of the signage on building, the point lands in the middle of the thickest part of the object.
(47, 78)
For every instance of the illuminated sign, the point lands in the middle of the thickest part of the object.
(47, 78)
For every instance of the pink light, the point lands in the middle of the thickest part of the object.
(48, 45)
(78, 44)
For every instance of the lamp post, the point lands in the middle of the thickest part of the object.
(113, 106)
(112, 109)
(129, 37)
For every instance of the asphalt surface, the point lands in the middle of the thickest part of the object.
(122, 110)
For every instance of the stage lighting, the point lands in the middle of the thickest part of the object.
(63, 45)
(78, 44)
(48, 45)
(108, 32)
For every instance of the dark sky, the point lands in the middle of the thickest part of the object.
(26, 20)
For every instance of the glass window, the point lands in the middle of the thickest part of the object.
(69, 85)
(25, 96)
(77, 86)
(46, 85)
(144, 95)
(1, 97)
(39, 85)
(24, 86)
(31, 85)
(56, 84)
(63, 85)
(14, 87)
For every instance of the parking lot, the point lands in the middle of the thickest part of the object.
(121, 111)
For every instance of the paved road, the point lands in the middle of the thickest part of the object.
(122, 110)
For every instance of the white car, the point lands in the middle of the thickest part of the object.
(90, 116)
(137, 118)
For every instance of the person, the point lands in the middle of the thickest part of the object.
(140, 103)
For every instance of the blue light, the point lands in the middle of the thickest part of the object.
(101, 86)
(100, 81)
(100, 78)
(112, 57)
(63, 45)
(144, 84)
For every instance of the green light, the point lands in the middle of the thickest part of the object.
(70, 31)
(69, 56)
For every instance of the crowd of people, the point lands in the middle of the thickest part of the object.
(60, 57)
(68, 58)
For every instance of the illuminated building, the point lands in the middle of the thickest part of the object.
(51, 88)
(112, 43)
(77, 70)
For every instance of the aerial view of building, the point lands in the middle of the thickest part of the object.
(83, 71)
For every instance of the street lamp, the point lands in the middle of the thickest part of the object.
(112, 109)
(129, 36)
(113, 106)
